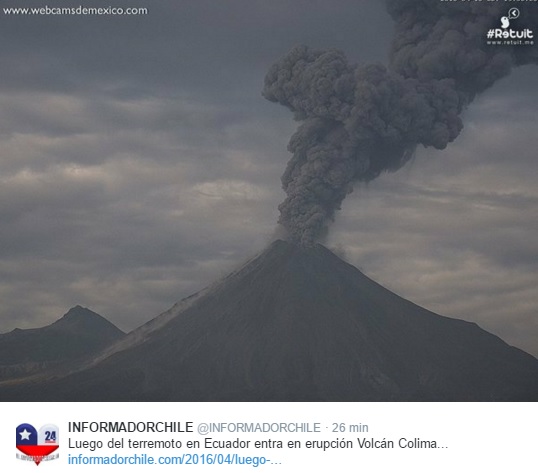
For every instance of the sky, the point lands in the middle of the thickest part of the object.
(139, 163)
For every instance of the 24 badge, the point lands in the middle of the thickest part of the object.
(37, 445)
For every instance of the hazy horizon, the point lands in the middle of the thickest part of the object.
(140, 163)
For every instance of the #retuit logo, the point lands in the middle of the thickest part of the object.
(510, 35)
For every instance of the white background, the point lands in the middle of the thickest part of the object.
(492, 437)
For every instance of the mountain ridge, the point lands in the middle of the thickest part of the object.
(300, 324)
(78, 333)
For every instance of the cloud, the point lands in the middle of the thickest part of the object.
(458, 227)
(110, 128)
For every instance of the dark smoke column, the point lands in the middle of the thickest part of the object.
(359, 121)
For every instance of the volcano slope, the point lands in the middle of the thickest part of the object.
(300, 324)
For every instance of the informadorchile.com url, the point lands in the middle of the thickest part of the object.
(80, 10)
(182, 459)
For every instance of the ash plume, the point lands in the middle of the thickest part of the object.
(358, 121)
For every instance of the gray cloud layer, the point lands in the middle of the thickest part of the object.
(139, 162)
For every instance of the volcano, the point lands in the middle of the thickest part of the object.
(299, 324)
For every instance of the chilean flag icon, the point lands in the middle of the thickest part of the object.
(37, 445)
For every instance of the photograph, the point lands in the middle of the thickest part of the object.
(286, 201)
